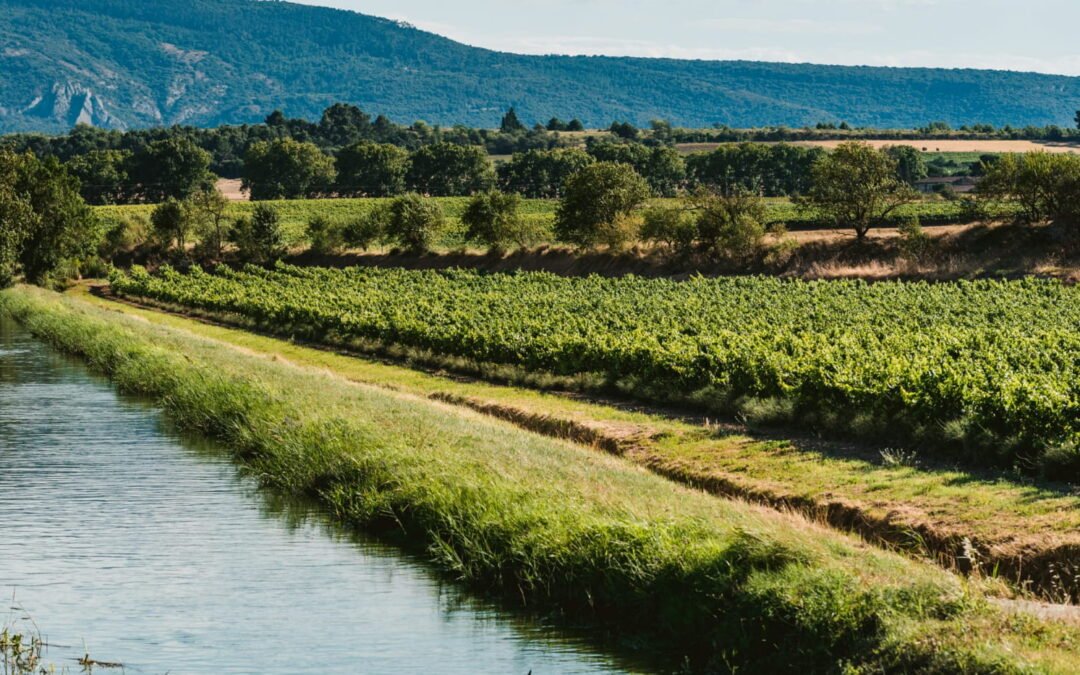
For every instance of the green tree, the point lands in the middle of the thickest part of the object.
(103, 175)
(415, 222)
(259, 239)
(372, 170)
(206, 211)
(46, 216)
(541, 174)
(450, 170)
(343, 124)
(597, 205)
(326, 236)
(172, 167)
(857, 187)
(171, 222)
(575, 125)
(910, 164)
(286, 169)
(17, 219)
(493, 219)
(510, 123)
(730, 222)
(1044, 185)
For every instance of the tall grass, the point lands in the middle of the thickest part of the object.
(721, 582)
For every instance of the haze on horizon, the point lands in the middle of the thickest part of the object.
(993, 34)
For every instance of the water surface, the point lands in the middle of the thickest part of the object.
(121, 538)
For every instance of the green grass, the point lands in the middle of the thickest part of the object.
(1021, 530)
(295, 214)
(723, 582)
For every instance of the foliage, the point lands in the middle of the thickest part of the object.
(857, 187)
(259, 239)
(415, 222)
(673, 228)
(1042, 184)
(287, 169)
(510, 123)
(662, 167)
(915, 243)
(103, 175)
(542, 173)
(325, 235)
(731, 222)
(597, 204)
(494, 219)
(45, 226)
(775, 170)
(449, 170)
(365, 230)
(371, 170)
(171, 223)
(910, 163)
(173, 167)
(983, 369)
(206, 211)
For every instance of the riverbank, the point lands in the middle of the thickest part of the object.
(722, 582)
(1019, 530)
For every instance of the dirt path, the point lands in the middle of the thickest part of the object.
(1023, 532)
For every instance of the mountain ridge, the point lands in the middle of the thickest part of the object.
(138, 63)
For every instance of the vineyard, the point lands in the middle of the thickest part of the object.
(987, 370)
(297, 213)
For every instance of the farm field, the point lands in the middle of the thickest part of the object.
(296, 213)
(1020, 530)
(668, 562)
(985, 371)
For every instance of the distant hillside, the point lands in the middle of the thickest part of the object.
(133, 63)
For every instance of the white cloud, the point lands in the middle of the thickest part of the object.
(791, 26)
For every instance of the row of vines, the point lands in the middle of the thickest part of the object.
(989, 370)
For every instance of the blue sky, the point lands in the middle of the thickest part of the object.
(1036, 35)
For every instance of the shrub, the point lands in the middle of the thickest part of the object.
(731, 222)
(325, 235)
(259, 239)
(493, 219)
(914, 241)
(368, 229)
(675, 229)
(415, 222)
(598, 203)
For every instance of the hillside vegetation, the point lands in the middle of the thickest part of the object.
(127, 63)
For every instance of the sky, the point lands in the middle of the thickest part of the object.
(1029, 35)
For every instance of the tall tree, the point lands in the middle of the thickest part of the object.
(287, 169)
(371, 170)
(173, 167)
(510, 123)
(857, 186)
(450, 170)
(597, 205)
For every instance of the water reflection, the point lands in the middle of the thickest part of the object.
(120, 538)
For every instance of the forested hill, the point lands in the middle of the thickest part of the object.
(132, 63)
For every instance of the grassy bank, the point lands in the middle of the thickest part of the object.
(720, 581)
(1024, 532)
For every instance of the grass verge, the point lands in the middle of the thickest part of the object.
(721, 582)
(1006, 526)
